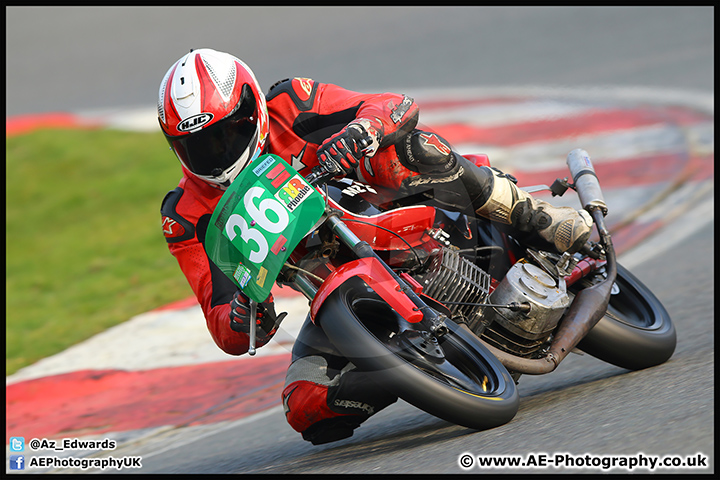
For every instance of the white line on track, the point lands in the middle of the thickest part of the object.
(682, 222)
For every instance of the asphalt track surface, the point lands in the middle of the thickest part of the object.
(584, 407)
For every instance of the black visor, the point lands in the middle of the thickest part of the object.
(214, 149)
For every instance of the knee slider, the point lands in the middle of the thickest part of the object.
(426, 153)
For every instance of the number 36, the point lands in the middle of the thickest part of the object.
(259, 215)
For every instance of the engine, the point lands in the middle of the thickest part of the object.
(524, 333)
(453, 280)
(456, 282)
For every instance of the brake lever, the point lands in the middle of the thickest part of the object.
(252, 349)
(253, 327)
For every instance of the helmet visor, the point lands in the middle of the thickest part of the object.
(214, 149)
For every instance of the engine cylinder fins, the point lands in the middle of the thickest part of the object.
(457, 280)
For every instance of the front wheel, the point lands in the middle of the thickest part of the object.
(453, 377)
(636, 332)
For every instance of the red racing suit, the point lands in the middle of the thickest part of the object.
(303, 113)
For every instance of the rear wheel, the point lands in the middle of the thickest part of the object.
(636, 332)
(453, 377)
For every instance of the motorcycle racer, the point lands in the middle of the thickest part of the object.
(217, 120)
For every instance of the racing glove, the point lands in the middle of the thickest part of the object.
(342, 153)
(266, 319)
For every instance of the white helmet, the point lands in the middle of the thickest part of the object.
(213, 114)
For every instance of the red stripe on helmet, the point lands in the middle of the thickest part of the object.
(210, 98)
(172, 116)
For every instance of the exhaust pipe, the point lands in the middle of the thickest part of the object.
(591, 303)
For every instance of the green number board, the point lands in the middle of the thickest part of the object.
(258, 222)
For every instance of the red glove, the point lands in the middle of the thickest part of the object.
(343, 152)
(266, 319)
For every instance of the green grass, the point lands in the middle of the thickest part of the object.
(85, 249)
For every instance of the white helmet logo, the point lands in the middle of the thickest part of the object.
(195, 122)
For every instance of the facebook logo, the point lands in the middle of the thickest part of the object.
(17, 462)
(17, 444)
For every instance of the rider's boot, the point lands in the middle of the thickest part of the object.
(325, 396)
(495, 196)
(461, 185)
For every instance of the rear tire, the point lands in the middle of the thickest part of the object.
(636, 332)
(466, 385)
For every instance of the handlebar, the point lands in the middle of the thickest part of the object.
(319, 175)
(586, 181)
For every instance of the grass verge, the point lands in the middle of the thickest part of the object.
(84, 245)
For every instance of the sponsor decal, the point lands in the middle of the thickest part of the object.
(264, 165)
(435, 142)
(356, 188)
(195, 122)
(262, 275)
(397, 113)
(408, 149)
(294, 192)
(242, 275)
(225, 212)
(171, 228)
(306, 85)
(277, 175)
(279, 245)
(355, 404)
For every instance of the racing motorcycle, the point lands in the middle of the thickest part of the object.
(446, 310)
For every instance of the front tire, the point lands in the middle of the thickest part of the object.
(636, 332)
(464, 384)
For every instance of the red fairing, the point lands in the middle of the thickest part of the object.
(410, 222)
(479, 159)
(374, 274)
